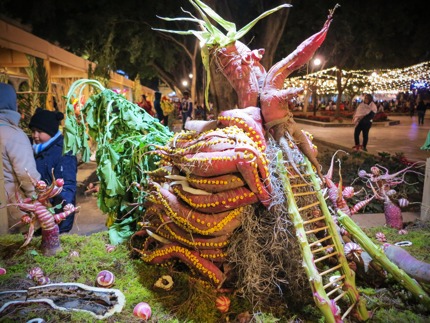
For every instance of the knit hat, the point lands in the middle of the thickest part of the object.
(7, 97)
(47, 121)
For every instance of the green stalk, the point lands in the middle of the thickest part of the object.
(321, 300)
(353, 295)
(378, 255)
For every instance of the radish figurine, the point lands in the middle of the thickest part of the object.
(105, 279)
(143, 311)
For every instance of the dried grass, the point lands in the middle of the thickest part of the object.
(266, 255)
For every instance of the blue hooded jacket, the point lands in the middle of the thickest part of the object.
(65, 167)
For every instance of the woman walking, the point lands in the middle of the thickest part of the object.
(363, 118)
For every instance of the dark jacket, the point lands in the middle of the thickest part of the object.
(157, 105)
(65, 167)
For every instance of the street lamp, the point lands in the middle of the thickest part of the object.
(184, 82)
(316, 64)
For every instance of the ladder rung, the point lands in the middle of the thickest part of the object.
(314, 219)
(301, 185)
(299, 176)
(326, 256)
(317, 230)
(334, 290)
(304, 193)
(309, 206)
(318, 241)
(322, 248)
(298, 165)
(334, 281)
(348, 310)
(330, 270)
(340, 296)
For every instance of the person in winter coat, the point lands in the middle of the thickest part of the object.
(17, 159)
(48, 149)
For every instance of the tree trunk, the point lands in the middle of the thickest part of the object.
(268, 39)
(222, 94)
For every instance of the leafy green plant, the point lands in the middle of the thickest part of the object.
(125, 134)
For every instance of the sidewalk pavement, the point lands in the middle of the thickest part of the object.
(406, 137)
(89, 219)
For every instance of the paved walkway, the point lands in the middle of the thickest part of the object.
(406, 137)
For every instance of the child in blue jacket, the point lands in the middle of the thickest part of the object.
(48, 148)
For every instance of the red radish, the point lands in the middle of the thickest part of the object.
(142, 310)
(274, 99)
(174, 233)
(44, 280)
(105, 278)
(35, 273)
(231, 199)
(206, 224)
(38, 209)
(213, 184)
(109, 248)
(192, 259)
(73, 254)
(222, 304)
(233, 61)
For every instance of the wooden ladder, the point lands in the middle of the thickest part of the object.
(320, 243)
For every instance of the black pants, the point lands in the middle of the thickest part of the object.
(184, 119)
(362, 127)
(421, 115)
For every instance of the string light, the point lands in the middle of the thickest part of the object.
(389, 81)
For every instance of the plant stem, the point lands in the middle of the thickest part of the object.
(377, 254)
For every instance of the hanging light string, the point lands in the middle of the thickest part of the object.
(371, 81)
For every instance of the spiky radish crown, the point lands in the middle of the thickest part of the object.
(209, 35)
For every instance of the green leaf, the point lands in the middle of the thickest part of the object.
(113, 185)
(248, 27)
(121, 232)
(227, 25)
